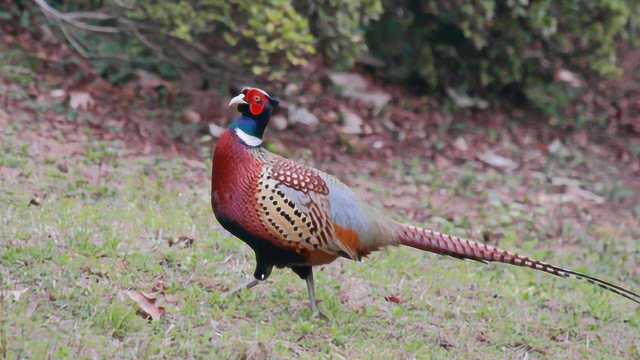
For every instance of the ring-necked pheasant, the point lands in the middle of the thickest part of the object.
(295, 216)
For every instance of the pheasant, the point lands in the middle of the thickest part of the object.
(298, 217)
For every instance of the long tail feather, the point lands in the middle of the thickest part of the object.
(444, 244)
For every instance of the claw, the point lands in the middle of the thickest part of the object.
(246, 285)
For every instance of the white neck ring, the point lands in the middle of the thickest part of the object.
(248, 139)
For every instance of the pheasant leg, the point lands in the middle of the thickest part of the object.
(312, 297)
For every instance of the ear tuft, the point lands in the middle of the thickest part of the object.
(274, 102)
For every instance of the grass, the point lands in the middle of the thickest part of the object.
(94, 236)
(77, 231)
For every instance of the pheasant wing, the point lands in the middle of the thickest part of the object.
(308, 210)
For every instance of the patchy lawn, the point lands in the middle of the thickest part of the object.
(95, 236)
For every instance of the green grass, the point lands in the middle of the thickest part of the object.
(93, 237)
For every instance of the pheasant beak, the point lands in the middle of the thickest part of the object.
(239, 99)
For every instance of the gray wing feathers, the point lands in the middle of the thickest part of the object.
(348, 211)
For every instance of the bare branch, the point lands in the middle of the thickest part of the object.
(74, 42)
(59, 17)
(91, 15)
(167, 47)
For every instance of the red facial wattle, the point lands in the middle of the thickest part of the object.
(257, 100)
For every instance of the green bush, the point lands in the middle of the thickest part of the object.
(498, 47)
(232, 39)
(339, 27)
(469, 49)
(260, 35)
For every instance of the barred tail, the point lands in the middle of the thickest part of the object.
(435, 242)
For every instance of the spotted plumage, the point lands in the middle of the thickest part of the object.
(298, 177)
(294, 204)
(295, 216)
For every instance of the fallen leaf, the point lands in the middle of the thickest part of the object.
(208, 284)
(302, 115)
(556, 147)
(80, 100)
(393, 299)
(566, 76)
(352, 122)
(279, 122)
(63, 168)
(481, 337)
(575, 193)
(147, 305)
(572, 193)
(461, 144)
(497, 161)
(462, 100)
(181, 241)
(354, 86)
(150, 81)
(191, 117)
(58, 93)
(445, 344)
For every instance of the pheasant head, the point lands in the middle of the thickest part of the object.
(256, 107)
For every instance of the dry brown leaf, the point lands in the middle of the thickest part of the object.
(352, 122)
(279, 122)
(181, 241)
(497, 161)
(393, 299)
(461, 144)
(150, 81)
(445, 344)
(191, 116)
(80, 100)
(63, 168)
(569, 77)
(58, 93)
(147, 305)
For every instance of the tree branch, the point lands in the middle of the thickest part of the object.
(71, 18)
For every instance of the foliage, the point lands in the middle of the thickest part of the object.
(235, 39)
(498, 47)
(469, 50)
(339, 27)
(261, 35)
